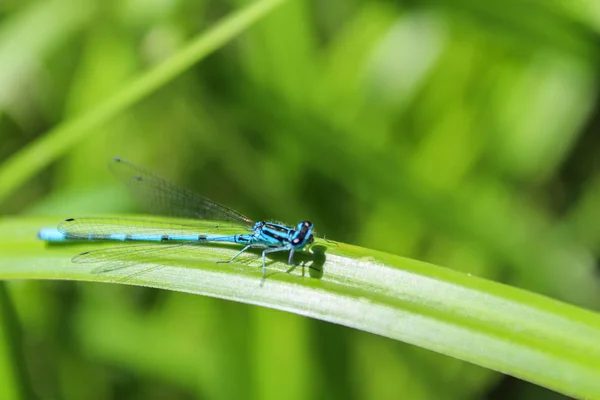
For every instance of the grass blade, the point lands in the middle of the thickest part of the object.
(513, 331)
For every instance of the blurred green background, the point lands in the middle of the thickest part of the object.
(459, 133)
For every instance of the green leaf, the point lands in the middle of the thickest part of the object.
(506, 329)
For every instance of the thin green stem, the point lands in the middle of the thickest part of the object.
(40, 153)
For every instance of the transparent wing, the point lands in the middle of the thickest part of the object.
(126, 262)
(82, 228)
(124, 256)
(164, 197)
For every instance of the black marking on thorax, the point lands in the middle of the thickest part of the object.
(277, 228)
(274, 235)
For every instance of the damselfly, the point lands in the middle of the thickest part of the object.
(166, 197)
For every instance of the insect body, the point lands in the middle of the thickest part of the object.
(163, 195)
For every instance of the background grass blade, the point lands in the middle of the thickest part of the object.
(38, 154)
(523, 334)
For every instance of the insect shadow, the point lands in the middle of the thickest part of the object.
(311, 261)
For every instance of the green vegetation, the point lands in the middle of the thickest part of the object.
(454, 133)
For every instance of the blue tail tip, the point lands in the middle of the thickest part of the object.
(51, 235)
